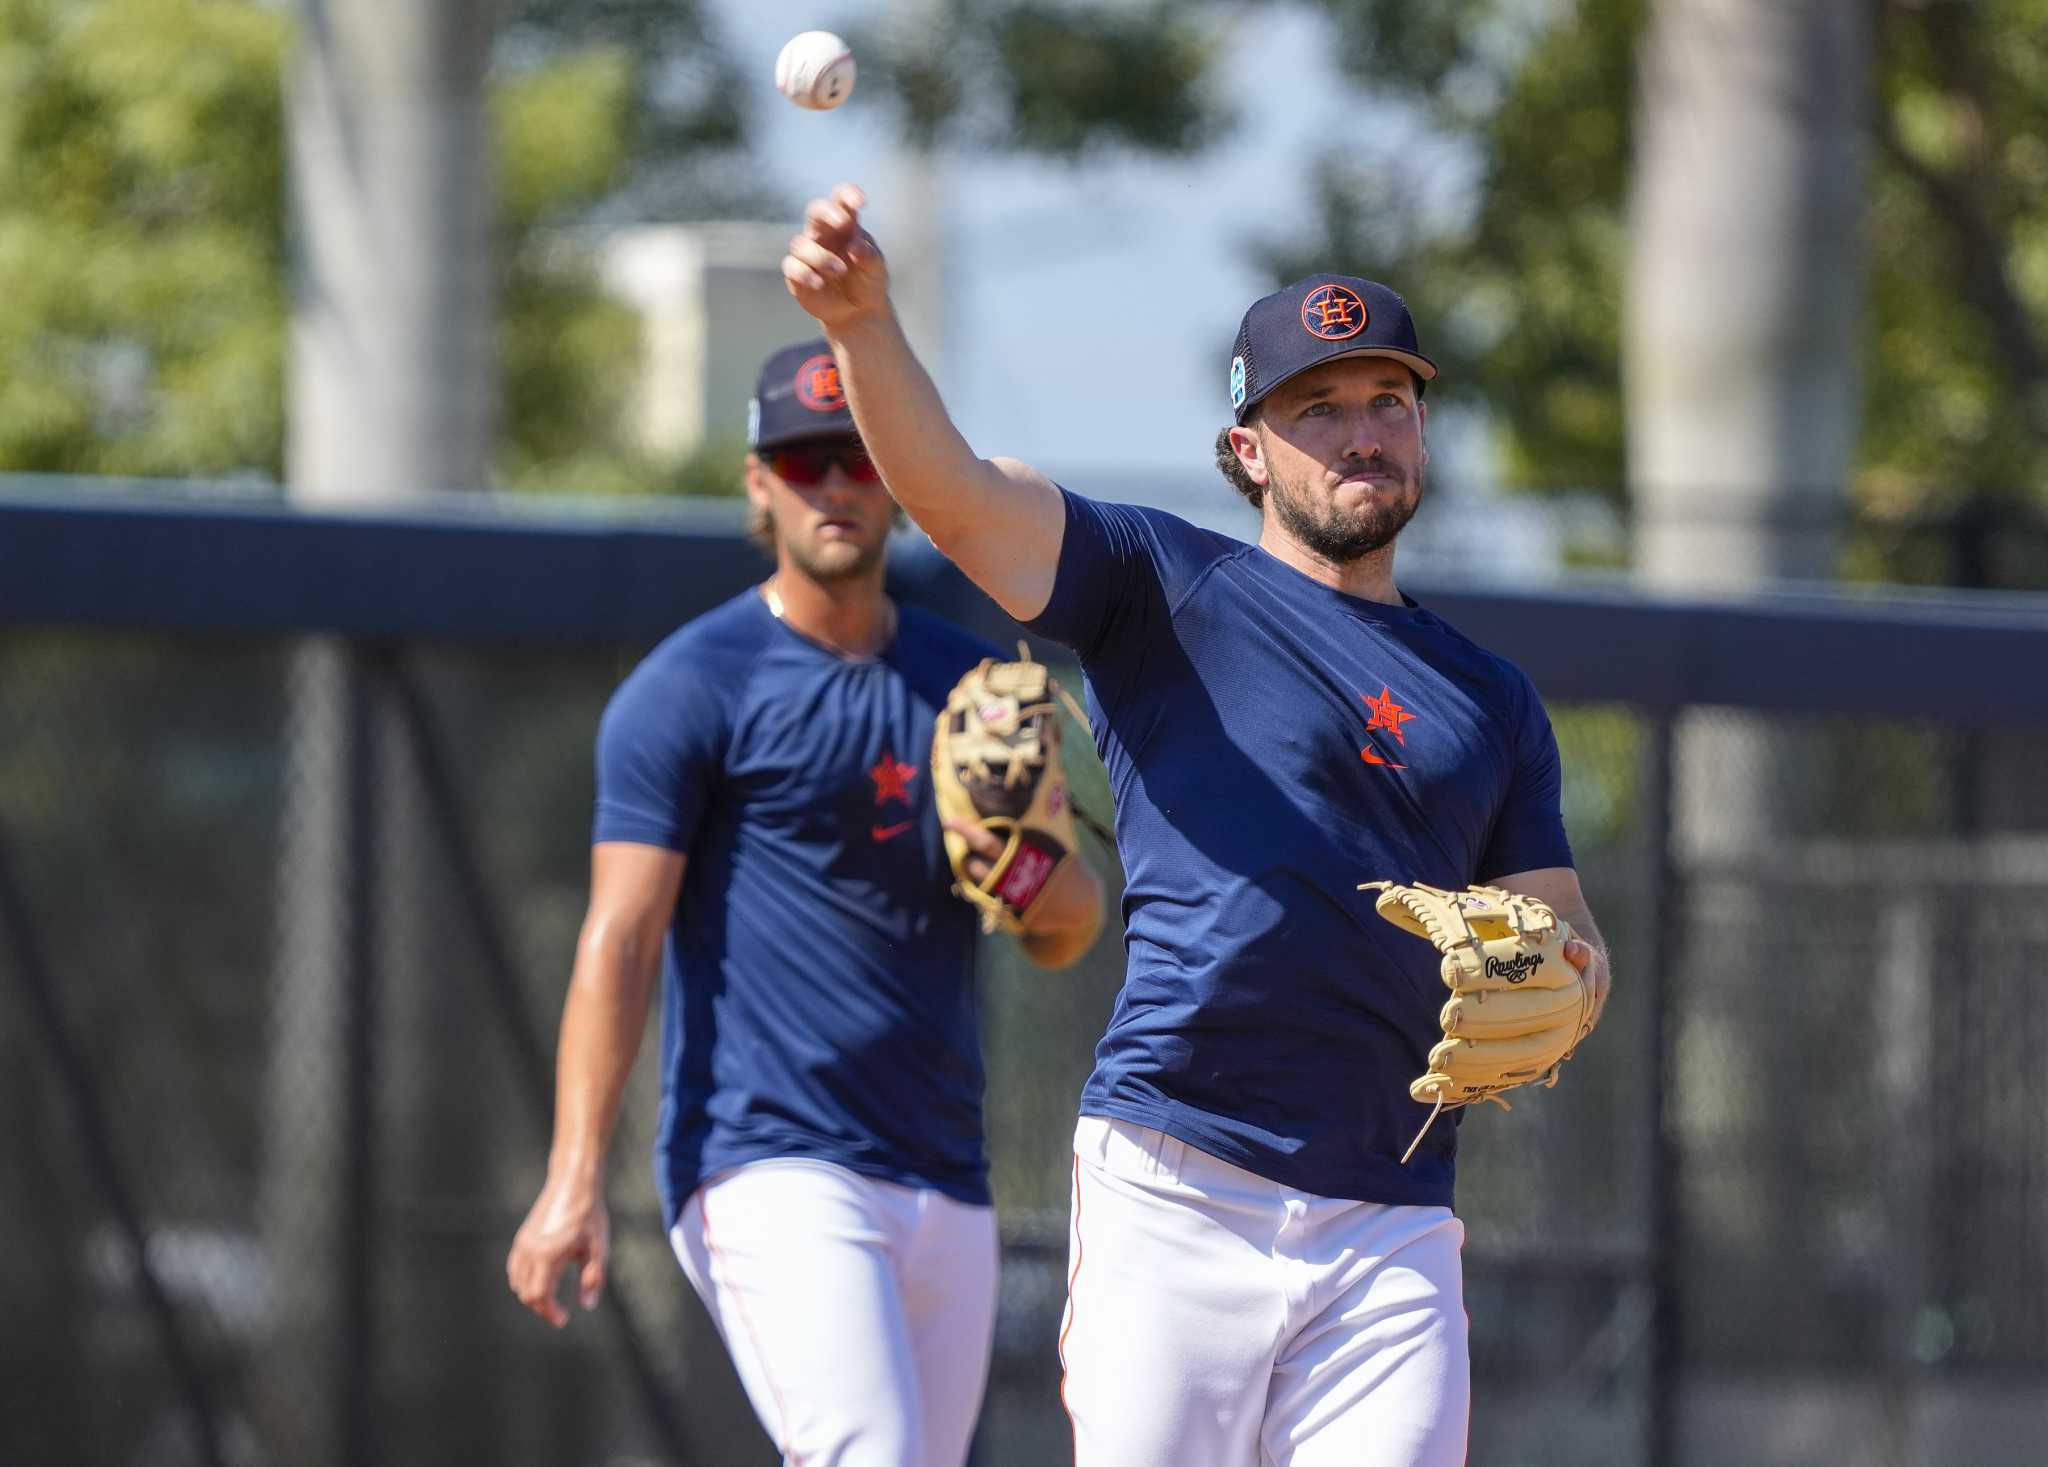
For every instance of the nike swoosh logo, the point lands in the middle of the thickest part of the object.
(888, 832)
(1370, 757)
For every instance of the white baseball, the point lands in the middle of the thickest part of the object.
(815, 70)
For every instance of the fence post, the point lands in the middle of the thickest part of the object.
(1909, 954)
(1664, 919)
(366, 666)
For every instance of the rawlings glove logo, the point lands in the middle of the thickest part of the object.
(1516, 969)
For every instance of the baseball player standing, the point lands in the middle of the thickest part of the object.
(1257, 1277)
(767, 842)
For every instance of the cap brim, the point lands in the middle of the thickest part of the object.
(1420, 365)
(807, 434)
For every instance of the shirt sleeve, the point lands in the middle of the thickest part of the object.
(659, 746)
(1528, 833)
(1115, 576)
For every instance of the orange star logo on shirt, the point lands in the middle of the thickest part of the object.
(1387, 714)
(892, 780)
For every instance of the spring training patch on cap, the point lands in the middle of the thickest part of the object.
(1333, 312)
(1237, 382)
(817, 385)
(753, 421)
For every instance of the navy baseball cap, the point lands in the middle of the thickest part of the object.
(1314, 321)
(799, 396)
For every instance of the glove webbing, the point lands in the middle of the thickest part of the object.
(1102, 832)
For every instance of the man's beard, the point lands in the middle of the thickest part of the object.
(1341, 536)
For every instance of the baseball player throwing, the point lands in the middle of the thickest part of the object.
(1257, 1275)
(766, 840)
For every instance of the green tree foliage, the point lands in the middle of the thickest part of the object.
(1515, 262)
(141, 236)
(1959, 239)
(566, 351)
(1052, 77)
(1528, 106)
(142, 209)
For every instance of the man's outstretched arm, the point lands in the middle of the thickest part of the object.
(618, 960)
(999, 520)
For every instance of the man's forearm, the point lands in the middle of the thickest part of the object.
(1000, 521)
(602, 1021)
(929, 467)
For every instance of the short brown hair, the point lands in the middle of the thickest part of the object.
(1232, 468)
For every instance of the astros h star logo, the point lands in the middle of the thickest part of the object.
(1388, 715)
(1333, 312)
(817, 385)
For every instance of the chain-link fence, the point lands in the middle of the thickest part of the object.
(285, 921)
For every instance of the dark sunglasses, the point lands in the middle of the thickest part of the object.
(809, 463)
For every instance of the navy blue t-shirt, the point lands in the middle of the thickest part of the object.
(1272, 742)
(817, 980)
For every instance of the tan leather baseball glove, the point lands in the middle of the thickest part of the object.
(996, 762)
(1518, 1006)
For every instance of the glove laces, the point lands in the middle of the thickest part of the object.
(1438, 1109)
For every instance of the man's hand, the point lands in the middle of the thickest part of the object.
(834, 268)
(1068, 913)
(1063, 904)
(1557, 887)
(1591, 961)
(568, 1224)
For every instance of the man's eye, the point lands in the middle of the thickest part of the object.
(1317, 409)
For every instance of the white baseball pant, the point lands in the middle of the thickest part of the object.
(858, 1313)
(1218, 1319)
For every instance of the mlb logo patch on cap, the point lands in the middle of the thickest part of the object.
(1317, 320)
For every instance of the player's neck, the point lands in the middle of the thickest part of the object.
(853, 618)
(1370, 577)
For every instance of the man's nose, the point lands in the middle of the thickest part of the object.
(1361, 435)
(838, 485)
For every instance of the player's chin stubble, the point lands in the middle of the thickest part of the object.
(839, 560)
(1340, 535)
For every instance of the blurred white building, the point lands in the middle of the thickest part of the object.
(712, 306)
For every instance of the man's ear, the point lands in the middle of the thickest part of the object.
(756, 481)
(1251, 453)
